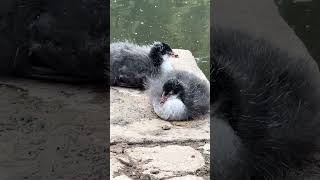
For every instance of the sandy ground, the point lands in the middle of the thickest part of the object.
(52, 131)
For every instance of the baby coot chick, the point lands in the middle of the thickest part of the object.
(267, 125)
(179, 95)
(131, 64)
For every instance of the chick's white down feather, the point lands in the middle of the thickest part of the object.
(166, 65)
(172, 109)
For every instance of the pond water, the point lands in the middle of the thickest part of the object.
(303, 17)
(183, 24)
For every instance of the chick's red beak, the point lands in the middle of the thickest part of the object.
(163, 99)
(173, 54)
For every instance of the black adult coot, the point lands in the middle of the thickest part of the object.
(267, 123)
(132, 64)
(179, 95)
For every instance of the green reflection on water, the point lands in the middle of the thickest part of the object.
(184, 24)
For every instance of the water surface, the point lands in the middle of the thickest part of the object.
(184, 24)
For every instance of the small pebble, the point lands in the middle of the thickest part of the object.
(166, 127)
(154, 171)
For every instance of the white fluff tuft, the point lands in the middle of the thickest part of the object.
(172, 109)
(166, 65)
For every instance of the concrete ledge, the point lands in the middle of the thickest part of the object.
(139, 138)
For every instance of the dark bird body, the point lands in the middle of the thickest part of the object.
(132, 64)
(266, 118)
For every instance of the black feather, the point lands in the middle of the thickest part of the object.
(132, 64)
(269, 107)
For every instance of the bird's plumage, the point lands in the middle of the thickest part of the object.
(194, 101)
(267, 125)
(132, 64)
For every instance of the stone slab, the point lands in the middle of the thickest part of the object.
(149, 147)
(132, 119)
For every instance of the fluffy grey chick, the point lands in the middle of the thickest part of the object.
(179, 95)
(132, 64)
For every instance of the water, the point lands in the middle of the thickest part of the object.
(303, 17)
(183, 24)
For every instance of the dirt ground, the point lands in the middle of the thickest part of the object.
(52, 131)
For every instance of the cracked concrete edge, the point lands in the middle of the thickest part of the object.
(154, 131)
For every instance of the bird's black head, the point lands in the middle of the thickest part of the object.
(172, 87)
(159, 50)
(163, 48)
